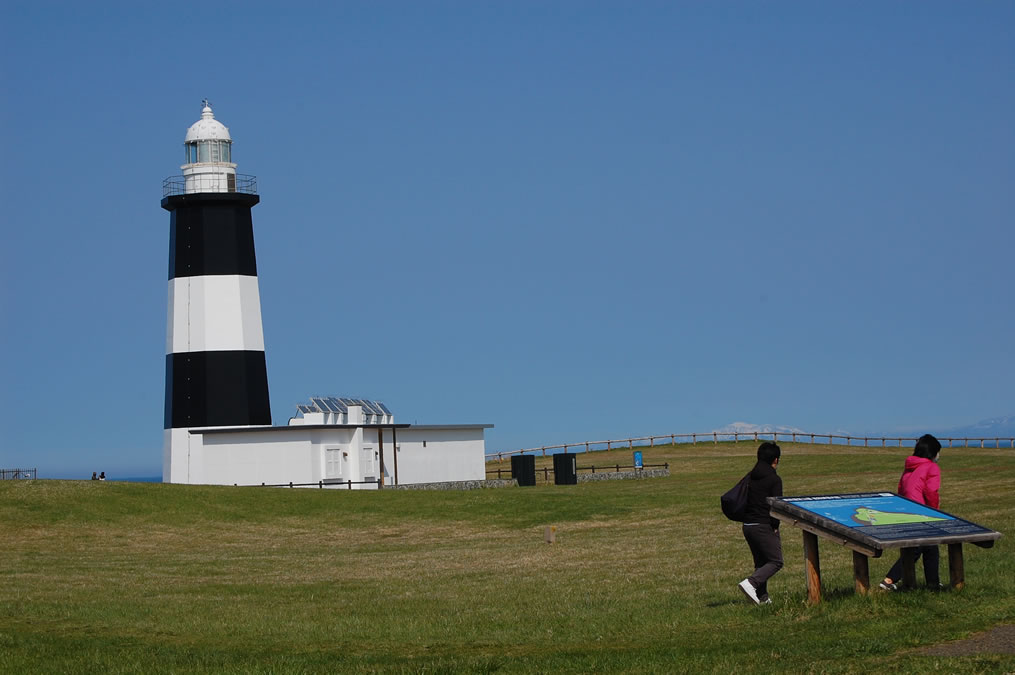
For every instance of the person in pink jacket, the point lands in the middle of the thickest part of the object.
(921, 482)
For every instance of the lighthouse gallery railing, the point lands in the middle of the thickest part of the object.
(177, 185)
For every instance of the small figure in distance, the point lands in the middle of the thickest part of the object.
(761, 530)
(94, 477)
(921, 482)
(102, 476)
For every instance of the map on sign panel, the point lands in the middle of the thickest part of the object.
(885, 515)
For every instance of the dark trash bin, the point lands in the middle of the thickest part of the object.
(523, 469)
(565, 469)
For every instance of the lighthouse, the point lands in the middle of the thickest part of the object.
(216, 374)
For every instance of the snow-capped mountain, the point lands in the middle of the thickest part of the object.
(994, 427)
(748, 428)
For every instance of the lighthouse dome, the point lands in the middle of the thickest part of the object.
(207, 128)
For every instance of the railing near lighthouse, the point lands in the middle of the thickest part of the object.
(19, 474)
(181, 185)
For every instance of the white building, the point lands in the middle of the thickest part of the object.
(336, 443)
(217, 415)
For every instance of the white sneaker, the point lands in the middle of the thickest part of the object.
(749, 591)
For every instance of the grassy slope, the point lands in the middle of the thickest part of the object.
(150, 577)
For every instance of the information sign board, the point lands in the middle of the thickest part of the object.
(886, 517)
(871, 522)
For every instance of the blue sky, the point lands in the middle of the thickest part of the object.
(573, 220)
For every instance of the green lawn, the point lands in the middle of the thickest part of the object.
(130, 577)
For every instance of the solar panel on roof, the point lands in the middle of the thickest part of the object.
(334, 404)
(337, 405)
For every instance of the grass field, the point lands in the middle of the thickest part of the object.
(135, 577)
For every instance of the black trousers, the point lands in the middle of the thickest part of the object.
(931, 557)
(766, 547)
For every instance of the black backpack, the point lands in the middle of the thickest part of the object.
(734, 502)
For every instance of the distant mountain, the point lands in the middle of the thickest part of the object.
(995, 427)
(748, 428)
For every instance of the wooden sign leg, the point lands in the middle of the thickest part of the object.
(812, 568)
(861, 573)
(956, 566)
(909, 567)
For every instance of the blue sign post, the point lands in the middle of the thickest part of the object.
(637, 460)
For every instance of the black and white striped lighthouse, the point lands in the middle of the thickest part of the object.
(215, 368)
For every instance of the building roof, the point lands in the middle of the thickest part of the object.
(331, 427)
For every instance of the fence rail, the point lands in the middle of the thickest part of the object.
(715, 436)
(332, 484)
(19, 474)
(546, 471)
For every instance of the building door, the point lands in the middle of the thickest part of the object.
(334, 459)
(368, 463)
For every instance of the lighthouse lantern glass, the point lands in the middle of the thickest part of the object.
(208, 151)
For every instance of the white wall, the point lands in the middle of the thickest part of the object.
(298, 454)
(449, 455)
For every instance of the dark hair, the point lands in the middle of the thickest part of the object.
(768, 452)
(927, 447)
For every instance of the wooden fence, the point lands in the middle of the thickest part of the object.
(546, 470)
(321, 484)
(715, 436)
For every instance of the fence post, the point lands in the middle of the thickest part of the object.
(350, 483)
(694, 439)
(715, 438)
(290, 483)
(736, 437)
(320, 484)
(546, 474)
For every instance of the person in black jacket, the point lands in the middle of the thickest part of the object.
(761, 530)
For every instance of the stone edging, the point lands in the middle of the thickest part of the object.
(624, 475)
